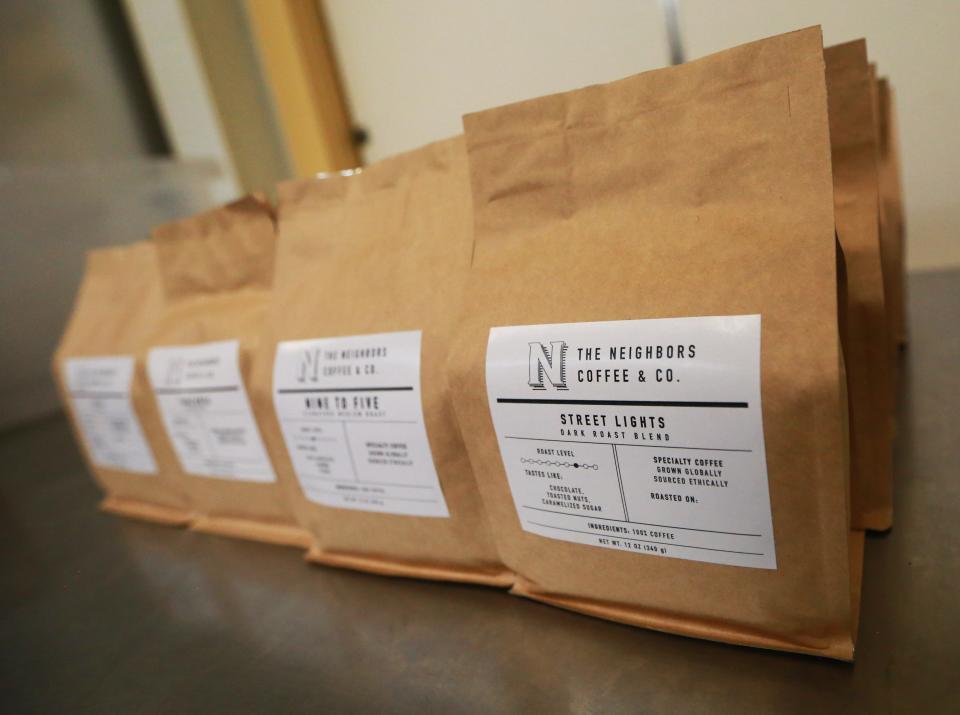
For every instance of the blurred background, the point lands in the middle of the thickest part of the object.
(116, 115)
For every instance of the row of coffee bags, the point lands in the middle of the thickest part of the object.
(628, 350)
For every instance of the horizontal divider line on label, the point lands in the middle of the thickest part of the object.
(618, 403)
(93, 394)
(227, 464)
(630, 444)
(639, 523)
(364, 483)
(335, 420)
(646, 541)
(194, 390)
(368, 496)
(288, 390)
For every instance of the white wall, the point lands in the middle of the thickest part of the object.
(915, 44)
(412, 67)
(180, 88)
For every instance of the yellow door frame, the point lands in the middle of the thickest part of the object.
(301, 70)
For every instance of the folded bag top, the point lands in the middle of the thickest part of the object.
(892, 225)
(684, 467)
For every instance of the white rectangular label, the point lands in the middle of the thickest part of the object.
(206, 411)
(637, 435)
(99, 390)
(352, 420)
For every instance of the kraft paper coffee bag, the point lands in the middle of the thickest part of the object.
(892, 225)
(648, 374)
(106, 397)
(217, 270)
(370, 271)
(891, 247)
(867, 344)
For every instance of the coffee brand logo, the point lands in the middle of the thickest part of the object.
(308, 367)
(548, 366)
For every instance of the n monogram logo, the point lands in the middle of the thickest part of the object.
(309, 367)
(548, 367)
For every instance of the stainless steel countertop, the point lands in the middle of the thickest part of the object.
(101, 614)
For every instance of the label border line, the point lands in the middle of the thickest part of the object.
(304, 390)
(380, 497)
(646, 541)
(195, 390)
(641, 523)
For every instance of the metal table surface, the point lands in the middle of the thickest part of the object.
(101, 614)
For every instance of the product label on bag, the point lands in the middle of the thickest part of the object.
(637, 435)
(352, 419)
(99, 391)
(206, 411)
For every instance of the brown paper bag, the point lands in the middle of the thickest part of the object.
(105, 396)
(370, 271)
(886, 259)
(866, 340)
(648, 372)
(217, 269)
(892, 224)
